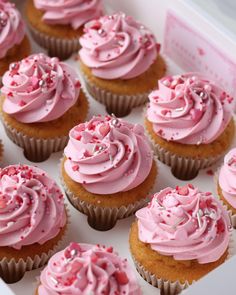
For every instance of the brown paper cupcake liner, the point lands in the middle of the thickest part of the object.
(13, 270)
(62, 48)
(169, 287)
(35, 149)
(166, 286)
(120, 105)
(183, 168)
(104, 218)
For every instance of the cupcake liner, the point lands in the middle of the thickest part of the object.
(183, 168)
(35, 149)
(62, 48)
(166, 286)
(120, 105)
(103, 218)
(13, 270)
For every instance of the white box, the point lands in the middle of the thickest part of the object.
(152, 13)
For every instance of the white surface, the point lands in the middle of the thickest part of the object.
(79, 230)
(221, 281)
(4, 288)
(221, 13)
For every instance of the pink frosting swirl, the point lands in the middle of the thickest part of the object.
(189, 109)
(117, 46)
(186, 224)
(39, 89)
(227, 177)
(83, 269)
(12, 27)
(108, 155)
(72, 12)
(31, 207)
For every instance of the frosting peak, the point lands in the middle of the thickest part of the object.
(186, 224)
(227, 178)
(117, 46)
(189, 109)
(31, 207)
(12, 27)
(108, 155)
(82, 269)
(39, 89)
(72, 12)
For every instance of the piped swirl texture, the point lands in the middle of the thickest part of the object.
(117, 46)
(108, 155)
(189, 109)
(186, 224)
(69, 12)
(83, 269)
(12, 27)
(31, 207)
(39, 89)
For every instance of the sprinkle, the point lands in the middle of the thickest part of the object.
(200, 212)
(22, 103)
(111, 158)
(212, 215)
(210, 172)
(42, 83)
(115, 122)
(231, 161)
(200, 141)
(183, 191)
(73, 252)
(54, 280)
(166, 83)
(75, 168)
(121, 277)
(78, 84)
(199, 219)
(109, 249)
(203, 95)
(102, 32)
(179, 109)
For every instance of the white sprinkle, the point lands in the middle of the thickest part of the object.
(212, 215)
(179, 109)
(111, 158)
(54, 280)
(199, 219)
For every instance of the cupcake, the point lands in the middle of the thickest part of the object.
(41, 101)
(57, 25)
(108, 170)
(33, 220)
(226, 183)
(87, 269)
(189, 120)
(120, 62)
(181, 236)
(14, 44)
